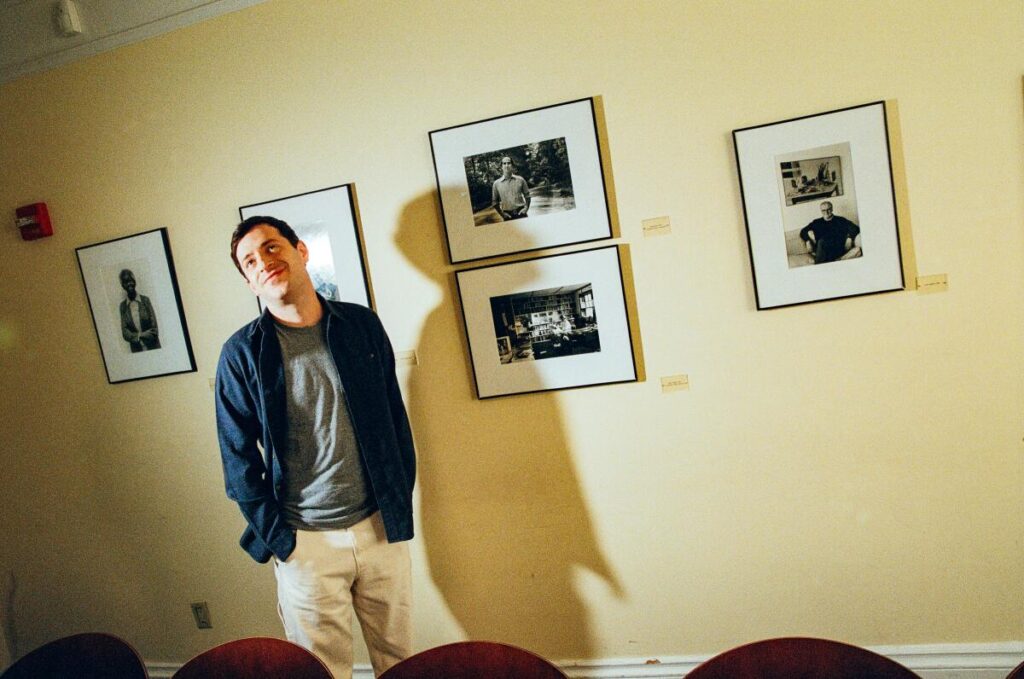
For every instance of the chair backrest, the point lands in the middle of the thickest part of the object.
(254, 658)
(1017, 672)
(474, 660)
(800, 658)
(92, 655)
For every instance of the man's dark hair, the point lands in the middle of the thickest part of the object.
(251, 223)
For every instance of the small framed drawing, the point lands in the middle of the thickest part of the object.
(521, 182)
(327, 221)
(547, 323)
(136, 308)
(820, 207)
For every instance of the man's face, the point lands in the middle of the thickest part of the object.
(506, 167)
(128, 283)
(826, 211)
(271, 264)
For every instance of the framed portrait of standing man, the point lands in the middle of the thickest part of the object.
(820, 207)
(522, 182)
(136, 306)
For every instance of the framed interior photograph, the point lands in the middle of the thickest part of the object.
(136, 307)
(552, 322)
(326, 220)
(521, 182)
(820, 207)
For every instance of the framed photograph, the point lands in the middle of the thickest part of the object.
(521, 182)
(552, 322)
(136, 308)
(327, 222)
(820, 207)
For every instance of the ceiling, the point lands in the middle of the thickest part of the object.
(30, 40)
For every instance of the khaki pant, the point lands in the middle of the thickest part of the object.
(332, 572)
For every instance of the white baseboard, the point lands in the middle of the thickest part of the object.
(931, 661)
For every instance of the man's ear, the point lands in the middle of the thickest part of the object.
(304, 251)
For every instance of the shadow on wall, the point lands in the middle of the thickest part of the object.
(504, 523)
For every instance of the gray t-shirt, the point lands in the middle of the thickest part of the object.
(325, 484)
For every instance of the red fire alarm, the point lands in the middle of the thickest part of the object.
(33, 221)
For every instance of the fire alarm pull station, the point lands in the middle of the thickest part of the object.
(33, 221)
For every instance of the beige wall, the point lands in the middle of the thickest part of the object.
(851, 469)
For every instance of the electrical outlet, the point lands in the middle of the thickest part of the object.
(201, 612)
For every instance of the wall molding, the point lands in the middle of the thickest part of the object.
(932, 661)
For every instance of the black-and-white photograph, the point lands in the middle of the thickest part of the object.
(321, 258)
(520, 182)
(136, 307)
(819, 206)
(528, 180)
(811, 179)
(521, 314)
(820, 224)
(140, 326)
(326, 220)
(548, 323)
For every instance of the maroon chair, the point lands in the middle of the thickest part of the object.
(1017, 672)
(254, 658)
(92, 655)
(800, 658)
(474, 660)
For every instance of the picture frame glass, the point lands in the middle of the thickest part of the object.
(547, 323)
(327, 222)
(136, 307)
(820, 207)
(522, 182)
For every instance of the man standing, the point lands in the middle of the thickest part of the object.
(312, 383)
(829, 237)
(138, 320)
(509, 193)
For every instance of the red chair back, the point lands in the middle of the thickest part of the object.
(474, 660)
(800, 658)
(92, 655)
(255, 658)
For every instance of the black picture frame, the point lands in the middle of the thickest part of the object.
(552, 322)
(145, 336)
(555, 151)
(819, 206)
(327, 221)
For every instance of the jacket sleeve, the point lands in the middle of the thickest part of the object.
(246, 478)
(126, 316)
(399, 417)
(152, 316)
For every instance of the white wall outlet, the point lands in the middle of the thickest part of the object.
(201, 612)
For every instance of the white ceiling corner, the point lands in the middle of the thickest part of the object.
(30, 41)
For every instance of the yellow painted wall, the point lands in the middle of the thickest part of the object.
(851, 469)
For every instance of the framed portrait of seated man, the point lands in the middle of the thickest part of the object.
(819, 206)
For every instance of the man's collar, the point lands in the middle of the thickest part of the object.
(266, 320)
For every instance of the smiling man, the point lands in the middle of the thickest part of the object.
(138, 320)
(318, 454)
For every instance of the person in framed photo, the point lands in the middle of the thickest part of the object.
(510, 192)
(830, 237)
(318, 453)
(138, 319)
(561, 326)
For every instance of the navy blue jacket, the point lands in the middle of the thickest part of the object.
(251, 415)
